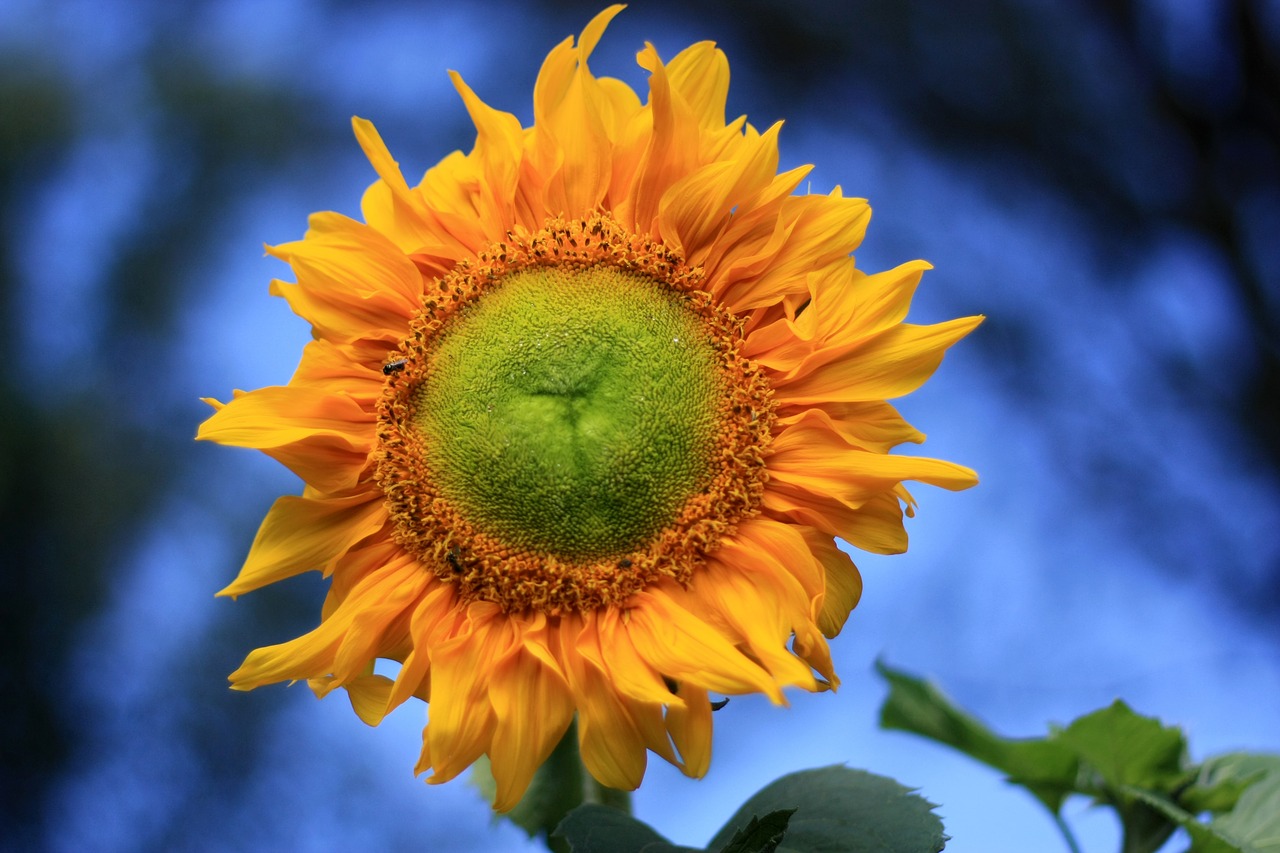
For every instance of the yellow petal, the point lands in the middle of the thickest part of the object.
(301, 534)
(798, 506)
(843, 581)
(820, 230)
(868, 305)
(279, 415)
(353, 567)
(499, 141)
(671, 149)
(632, 673)
(755, 236)
(380, 623)
(350, 292)
(846, 307)
(428, 616)
(368, 695)
(358, 258)
(524, 738)
(817, 461)
(451, 189)
(389, 205)
(611, 744)
(324, 438)
(891, 364)
(650, 721)
(870, 425)
(690, 728)
(700, 75)
(696, 208)
(758, 604)
(786, 548)
(877, 526)
(330, 365)
(685, 648)
(313, 655)
(461, 721)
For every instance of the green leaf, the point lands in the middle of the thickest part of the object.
(1249, 785)
(1046, 768)
(592, 828)
(1221, 781)
(1135, 764)
(1204, 838)
(839, 810)
(1254, 823)
(1126, 749)
(1122, 753)
(761, 835)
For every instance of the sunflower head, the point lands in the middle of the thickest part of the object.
(585, 412)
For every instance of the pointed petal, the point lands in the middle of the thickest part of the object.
(314, 654)
(891, 364)
(413, 679)
(690, 728)
(499, 143)
(610, 743)
(870, 425)
(534, 707)
(820, 230)
(700, 75)
(328, 365)
(302, 534)
(324, 438)
(752, 597)
(389, 205)
(461, 720)
(696, 208)
(671, 149)
(687, 649)
(368, 695)
(843, 581)
(633, 675)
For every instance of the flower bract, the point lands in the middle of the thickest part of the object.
(584, 413)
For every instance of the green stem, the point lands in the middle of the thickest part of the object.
(1067, 834)
(594, 792)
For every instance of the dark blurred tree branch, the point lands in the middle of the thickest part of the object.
(1237, 145)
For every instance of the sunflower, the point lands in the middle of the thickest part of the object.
(583, 415)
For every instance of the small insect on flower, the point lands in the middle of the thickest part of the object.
(394, 366)
(454, 558)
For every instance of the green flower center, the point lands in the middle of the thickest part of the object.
(570, 420)
(571, 412)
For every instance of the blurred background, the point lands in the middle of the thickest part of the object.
(1101, 179)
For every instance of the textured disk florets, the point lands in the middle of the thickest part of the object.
(570, 420)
